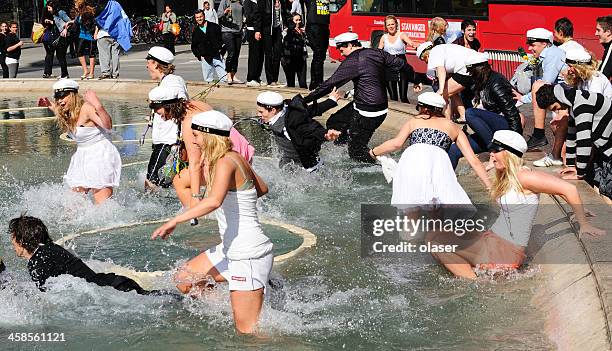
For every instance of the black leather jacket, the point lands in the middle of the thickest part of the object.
(496, 96)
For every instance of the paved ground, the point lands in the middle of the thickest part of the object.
(133, 64)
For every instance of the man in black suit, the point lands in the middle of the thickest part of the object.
(206, 43)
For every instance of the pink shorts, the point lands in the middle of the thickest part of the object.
(499, 253)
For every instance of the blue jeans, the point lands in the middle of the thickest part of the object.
(217, 65)
(484, 124)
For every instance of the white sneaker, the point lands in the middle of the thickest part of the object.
(547, 161)
(253, 83)
(237, 81)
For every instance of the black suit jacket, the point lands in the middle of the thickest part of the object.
(207, 46)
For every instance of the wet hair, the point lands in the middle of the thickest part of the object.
(565, 27)
(480, 75)
(466, 23)
(29, 232)
(213, 149)
(394, 19)
(545, 96)
(67, 120)
(605, 22)
(176, 111)
(507, 179)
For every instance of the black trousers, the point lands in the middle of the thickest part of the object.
(169, 42)
(60, 52)
(273, 48)
(292, 66)
(5, 71)
(397, 83)
(158, 160)
(318, 36)
(233, 43)
(357, 129)
(256, 57)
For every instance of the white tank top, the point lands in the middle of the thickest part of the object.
(518, 212)
(396, 48)
(239, 227)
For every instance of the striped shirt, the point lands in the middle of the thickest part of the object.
(591, 125)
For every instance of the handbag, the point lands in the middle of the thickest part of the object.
(175, 29)
(38, 30)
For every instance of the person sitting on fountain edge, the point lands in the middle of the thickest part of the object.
(297, 134)
(46, 259)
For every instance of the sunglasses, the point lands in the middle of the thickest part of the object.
(61, 94)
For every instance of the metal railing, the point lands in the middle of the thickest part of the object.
(504, 62)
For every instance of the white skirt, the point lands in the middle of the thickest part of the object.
(94, 166)
(425, 176)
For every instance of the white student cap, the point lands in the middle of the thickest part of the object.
(347, 37)
(539, 34)
(63, 86)
(476, 59)
(270, 99)
(161, 55)
(431, 99)
(577, 56)
(510, 141)
(423, 47)
(212, 122)
(163, 95)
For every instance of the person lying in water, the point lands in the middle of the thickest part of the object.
(297, 134)
(46, 259)
(517, 190)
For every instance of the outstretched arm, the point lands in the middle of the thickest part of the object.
(393, 144)
(464, 145)
(223, 174)
(541, 182)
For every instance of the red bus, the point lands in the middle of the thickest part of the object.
(501, 24)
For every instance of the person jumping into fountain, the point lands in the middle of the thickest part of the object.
(297, 135)
(46, 259)
(96, 164)
(517, 190)
(164, 132)
(367, 69)
(244, 258)
(167, 102)
(433, 181)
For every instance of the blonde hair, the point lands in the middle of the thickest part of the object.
(436, 27)
(213, 149)
(67, 119)
(394, 19)
(507, 179)
(583, 73)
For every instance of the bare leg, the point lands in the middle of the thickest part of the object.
(92, 65)
(459, 263)
(539, 114)
(451, 94)
(246, 306)
(182, 186)
(83, 64)
(100, 195)
(560, 133)
(194, 272)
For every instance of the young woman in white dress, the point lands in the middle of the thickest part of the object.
(424, 174)
(96, 165)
